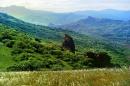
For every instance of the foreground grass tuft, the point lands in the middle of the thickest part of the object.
(93, 77)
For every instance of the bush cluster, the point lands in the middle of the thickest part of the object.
(31, 54)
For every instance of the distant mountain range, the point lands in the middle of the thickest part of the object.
(50, 18)
(114, 30)
(40, 17)
(107, 13)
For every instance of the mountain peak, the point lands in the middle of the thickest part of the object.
(90, 17)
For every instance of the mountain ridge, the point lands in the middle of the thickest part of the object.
(46, 17)
(103, 27)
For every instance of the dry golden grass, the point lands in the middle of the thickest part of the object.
(93, 77)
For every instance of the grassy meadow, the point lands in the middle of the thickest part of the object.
(90, 77)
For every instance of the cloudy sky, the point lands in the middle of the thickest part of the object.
(68, 5)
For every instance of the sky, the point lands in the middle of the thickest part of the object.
(68, 5)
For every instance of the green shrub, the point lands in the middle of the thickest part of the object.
(6, 35)
(10, 43)
(101, 59)
(28, 65)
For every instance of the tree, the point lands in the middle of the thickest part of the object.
(101, 59)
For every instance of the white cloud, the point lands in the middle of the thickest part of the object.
(68, 5)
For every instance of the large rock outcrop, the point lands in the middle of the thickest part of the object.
(68, 43)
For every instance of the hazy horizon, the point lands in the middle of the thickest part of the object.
(68, 5)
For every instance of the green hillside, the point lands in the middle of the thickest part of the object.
(5, 54)
(55, 34)
(19, 51)
(34, 47)
(5, 57)
(41, 17)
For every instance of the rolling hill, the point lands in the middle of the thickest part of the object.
(47, 18)
(50, 34)
(22, 52)
(114, 30)
(40, 17)
(52, 37)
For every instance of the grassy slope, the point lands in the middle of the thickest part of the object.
(94, 77)
(5, 57)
